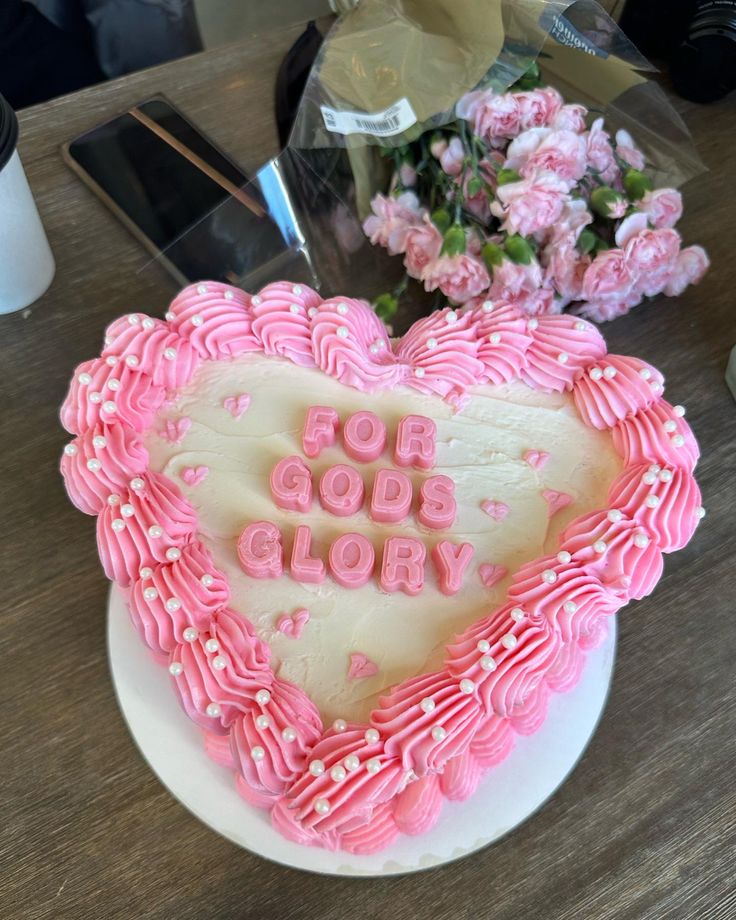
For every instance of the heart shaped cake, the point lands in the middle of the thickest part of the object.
(367, 563)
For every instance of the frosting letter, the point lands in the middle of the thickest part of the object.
(341, 490)
(391, 498)
(260, 551)
(304, 567)
(403, 565)
(450, 561)
(319, 429)
(437, 505)
(291, 484)
(364, 437)
(415, 442)
(351, 560)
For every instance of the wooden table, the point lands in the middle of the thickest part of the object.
(645, 826)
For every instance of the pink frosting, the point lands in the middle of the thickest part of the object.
(101, 462)
(152, 348)
(504, 340)
(215, 319)
(562, 347)
(418, 806)
(614, 388)
(461, 776)
(643, 437)
(281, 320)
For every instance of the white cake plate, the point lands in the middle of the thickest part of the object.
(507, 796)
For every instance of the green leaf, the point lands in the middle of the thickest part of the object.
(504, 176)
(441, 219)
(386, 306)
(492, 255)
(454, 244)
(587, 241)
(636, 184)
(475, 186)
(518, 249)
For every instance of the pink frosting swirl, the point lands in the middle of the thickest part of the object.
(419, 805)
(174, 597)
(562, 347)
(99, 462)
(100, 393)
(657, 435)
(350, 343)
(665, 501)
(619, 553)
(282, 323)
(215, 318)
(614, 388)
(138, 526)
(442, 351)
(529, 717)
(375, 833)
(565, 672)
(504, 340)
(151, 347)
(461, 777)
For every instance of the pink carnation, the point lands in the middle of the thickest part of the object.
(565, 269)
(391, 220)
(523, 146)
(531, 204)
(560, 152)
(423, 245)
(600, 153)
(522, 285)
(690, 266)
(574, 218)
(494, 117)
(608, 308)
(608, 276)
(628, 151)
(452, 157)
(663, 207)
(538, 107)
(570, 118)
(460, 277)
(650, 257)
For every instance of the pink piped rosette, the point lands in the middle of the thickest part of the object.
(358, 787)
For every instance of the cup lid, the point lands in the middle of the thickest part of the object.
(8, 131)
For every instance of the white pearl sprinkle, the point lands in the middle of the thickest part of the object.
(118, 524)
(487, 306)
(173, 554)
(71, 450)
(351, 762)
(419, 372)
(93, 465)
(563, 556)
(451, 318)
(563, 357)
(665, 475)
(288, 734)
(645, 373)
(614, 515)
(679, 411)
(108, 406)
(263, 697)
(169, 354)
(133, 319)
(228, 295)
(338, 773)
(95, 397)
(99, 441)
(169, 316)
(173, 604)
(373, 349)
(201, 289)
(487, 663)
(219, 663)
(131, 361)
(656, 387)
(549, 576)
(570, 606)
(212, 645)
(378, 343)
(439, 733)
(155, 531)
(312, 311)
(148, 323)
(316, 768)
(190, 634)
(294, 308)
(641, 540)
(483, 645)
(262, 722)
(373, 765)
(213, 710)
(532, 324)
(371, 736)
(431, 343)
(137, 484)
(700, 512)
(111, 360)
(113, 384)
(427, 704)
(321, 806)
(256, 301)
(150, 594)
(651, 501)
(113, 499)
(509, 641)
(517, 614)
(655, 468)
(670, 425)
(494, 338)
(609, 372)
(146, 572)
(599, 546)
(127, 510)
(342, 309)
(257, 753)
(649, 478)
(339, 725)
(176, 668)
(466, 685)
(297, 289)
(342, 331)
(85, 379)
(197, 320)
(207, 580)
(580, 326)
(596, 373)
(678, 440)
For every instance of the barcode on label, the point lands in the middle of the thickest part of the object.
(393, 120)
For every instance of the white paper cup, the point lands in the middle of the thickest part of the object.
(26, 262)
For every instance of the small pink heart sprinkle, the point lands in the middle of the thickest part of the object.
(361, 666)
(237, 405)
(555, 500)
(293, 626)
(495, 510)
(175, 429)
(536, 458)
(491, 574)
(193, 475)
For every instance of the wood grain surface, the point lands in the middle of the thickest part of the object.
(645, 827)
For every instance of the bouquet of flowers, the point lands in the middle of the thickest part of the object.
(530, 201)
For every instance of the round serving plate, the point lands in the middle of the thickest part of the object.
(506, 797)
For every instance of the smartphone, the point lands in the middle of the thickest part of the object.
(180, 195)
